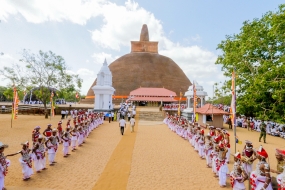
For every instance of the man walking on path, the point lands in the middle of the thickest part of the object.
(122, 125)
(62, 114)
(110, 116)
(132, 122)
(134, 113)
(262, 131)
(66, 113)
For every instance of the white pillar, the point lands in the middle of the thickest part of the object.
(97, 100)
(106, 102)
(188, 102)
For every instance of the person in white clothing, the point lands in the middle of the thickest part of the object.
(66, 138)
(122, 125)
(4, 164)
(62, 112)
(52, 145)
(25, 160)
(238, 175)
(261, 178)
(66, 114)
(132, 122)
(39, 154)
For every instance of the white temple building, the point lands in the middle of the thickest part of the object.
(103, 89)
(201, 99)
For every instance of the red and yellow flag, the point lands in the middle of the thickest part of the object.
(15, 105)
(233, 102)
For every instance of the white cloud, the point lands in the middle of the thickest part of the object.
(194, 61)
(35, 11)
(100, 57)
(7, 60)
(121, 24)
(196, 38)
(85, 72)
(87, 76)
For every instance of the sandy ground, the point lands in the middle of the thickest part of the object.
(163, 160)
(156, 158)
(79, 171)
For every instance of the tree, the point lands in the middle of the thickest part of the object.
(68, 94)
(2, 95)
(257, 54)
(221, 94)
(45, 72)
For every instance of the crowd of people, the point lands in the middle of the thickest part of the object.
(47, 142)
(253, 124)
(124, 112)
(214, 147)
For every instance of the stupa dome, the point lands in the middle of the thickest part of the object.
(144, 67)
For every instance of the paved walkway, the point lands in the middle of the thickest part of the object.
(117, 170)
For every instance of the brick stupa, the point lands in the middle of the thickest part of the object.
(144, 67)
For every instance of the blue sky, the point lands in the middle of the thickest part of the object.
(85, 32)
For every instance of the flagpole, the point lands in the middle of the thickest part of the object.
(234, 113)
(12, 108)
(50, 107)
(213, 104)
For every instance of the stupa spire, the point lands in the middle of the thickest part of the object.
(105, 62)
(144, 33)
(144, 45)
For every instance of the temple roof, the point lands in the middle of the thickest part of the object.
(209, 109)
(162, 92)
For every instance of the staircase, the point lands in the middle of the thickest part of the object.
(151, 115)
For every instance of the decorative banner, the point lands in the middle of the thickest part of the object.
(15, 105)
(233, 103)
(52, 106)
(238, 141)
